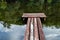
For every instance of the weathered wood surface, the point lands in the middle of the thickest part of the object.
(37, 26)
(31, 30)
(41, 34)
(36, 36)
(37, 29)
(27, 33)
(34, 15)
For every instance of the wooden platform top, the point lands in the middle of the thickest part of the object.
(41, 15)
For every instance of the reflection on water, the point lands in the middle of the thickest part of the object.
(16, 32)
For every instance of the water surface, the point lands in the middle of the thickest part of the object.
(16, 32)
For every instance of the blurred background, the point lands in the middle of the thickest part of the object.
(11, 11)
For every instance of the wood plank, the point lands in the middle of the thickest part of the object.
(34, 15)
(27, 33)
(41, 34)
(31, 30)
(36, 36)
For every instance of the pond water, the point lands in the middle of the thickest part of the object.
(16, 32)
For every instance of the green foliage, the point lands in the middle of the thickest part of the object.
(3, 5)
(49, 1)
(11, 12)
